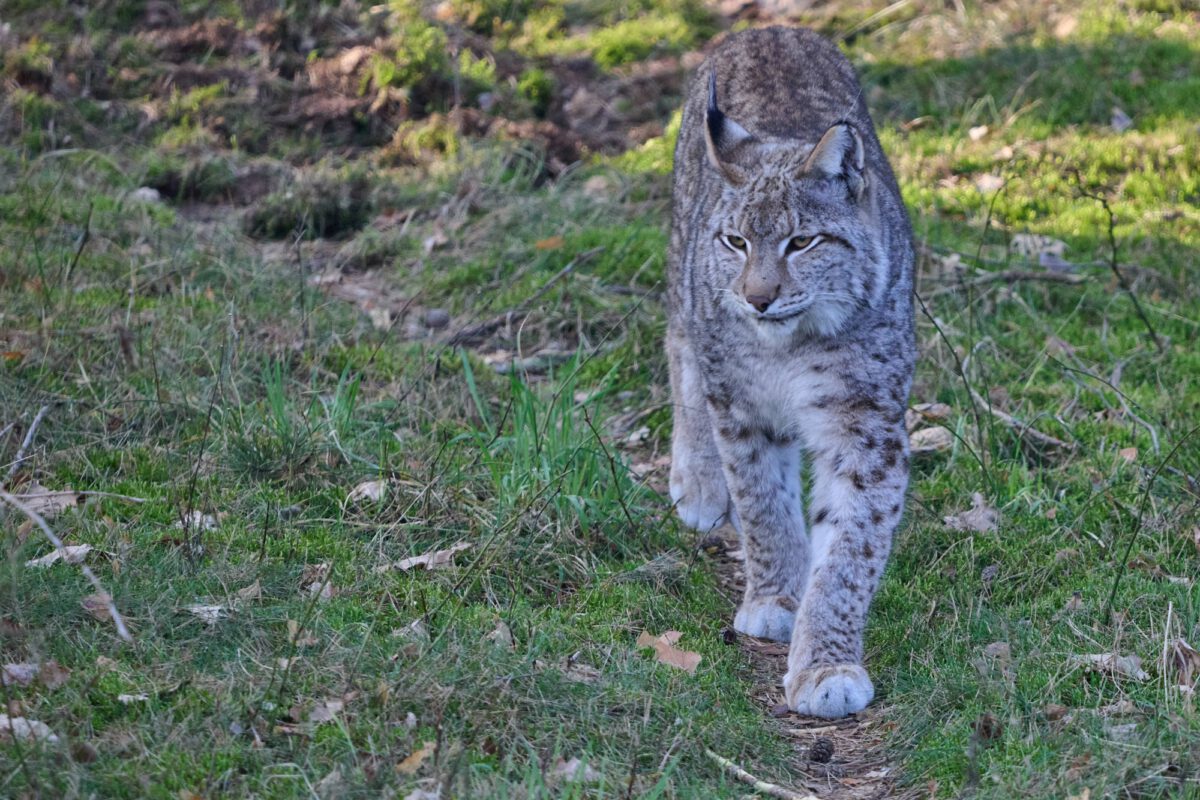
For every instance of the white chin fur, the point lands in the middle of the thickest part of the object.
(823, 318)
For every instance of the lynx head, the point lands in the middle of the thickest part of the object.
(794, 244)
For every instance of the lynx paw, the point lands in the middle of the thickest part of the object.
(769, 618)
(830, 691)
(702, 502)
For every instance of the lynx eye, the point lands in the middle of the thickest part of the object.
(798, 244)
(734, 242)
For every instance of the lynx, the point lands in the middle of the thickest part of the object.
(790, 332)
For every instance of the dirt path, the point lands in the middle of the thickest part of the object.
(832, 759)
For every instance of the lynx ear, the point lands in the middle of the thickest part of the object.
(722, 136)
(840, 154)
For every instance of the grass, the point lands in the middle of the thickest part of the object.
(189, 359)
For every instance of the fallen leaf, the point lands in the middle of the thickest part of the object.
(434, 560)
(208, 614)
(50, 503)
(1001, 651)
(22, 729)
(980, 518)
(989, 183)
(1120, 708)
(69, 554)
(666, 652)
(501, 636)
(434, 241)
(251, 592)
(1113, 664)
(574, 771)
(977, 133)
(199, 521)
(424, 794)
(930, 440)
(1075, 603)
(98, 606)
(1120, 121)
(575, 671)
(126, 699)
(314, 581)
(326, 710)
(367, 491)
(1184, 662)
(1129, 454)
(926, 412)
(1054, 711)
(552, 243)
(52, 675)
(413, 762)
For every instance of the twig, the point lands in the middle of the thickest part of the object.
(29, 434)
(1010, 276)
(4, 431)
(37, 518)
(482, 330)
(769, 789)
(1023, 428)
(1112, 263)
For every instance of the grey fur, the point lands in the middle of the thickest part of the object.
(776, 146)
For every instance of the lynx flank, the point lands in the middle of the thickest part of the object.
(790, 331)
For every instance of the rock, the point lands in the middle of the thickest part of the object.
(437, 318)
(146, 194)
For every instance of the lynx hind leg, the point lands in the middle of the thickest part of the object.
(698, 488)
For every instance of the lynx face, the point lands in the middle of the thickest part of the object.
(792, 243)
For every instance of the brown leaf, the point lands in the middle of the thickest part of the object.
(1116, 665)
(930, 440)
(326, 710)
(434, 560)
(50, 503)
(315, 581)
(501, 636)
(52, 675)
(667, 653)
(980, 518)
(1184, 662)
(1129, 454)
(69, 554)
(552, 243)
(926, 412)
(1054, 711)
(251, 592)
(98, 606)
(367, 492)
(410, 765)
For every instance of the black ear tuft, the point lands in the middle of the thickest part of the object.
(714, 118)
(722, 136)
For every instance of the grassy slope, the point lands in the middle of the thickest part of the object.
(244, 391)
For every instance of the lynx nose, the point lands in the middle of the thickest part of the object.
(762, 300)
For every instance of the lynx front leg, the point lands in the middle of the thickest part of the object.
(762, 470)
(858, 496)
(697, 484)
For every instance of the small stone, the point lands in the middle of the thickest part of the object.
(437, 318)
(821, 751)
(146, 194)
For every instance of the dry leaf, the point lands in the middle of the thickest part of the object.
(23, 729)
(930, 440)
(435, 240)
(1184, 662)
(1120, 708)
(326, 710)
(1113, 664)
(70, 554)
(980, 518)
(410, 765)
(977, 133)
(98, 606)
(552, 243)
(52, 675)
(989, 183)
(667, 653)
(1001, 651)
(50, 503)
(1120, 121)
(251, 592)
(1054, 711)
(574, 771)
(367, 491)
(208, 614)
(1129, 454)
(198, 521)
(425, 794)
(501, 635)
(575, 671)
(926, 412)
(434, 560)
(315, 581)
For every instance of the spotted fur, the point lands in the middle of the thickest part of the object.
(790, 335)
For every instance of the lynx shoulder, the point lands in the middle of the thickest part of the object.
(790, 336)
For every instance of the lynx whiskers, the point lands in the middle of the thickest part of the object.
(790, 335)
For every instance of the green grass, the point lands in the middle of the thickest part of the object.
(188, 359)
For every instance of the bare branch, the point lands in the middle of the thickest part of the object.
(769, 789)
(37, 518)
(29, 434)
